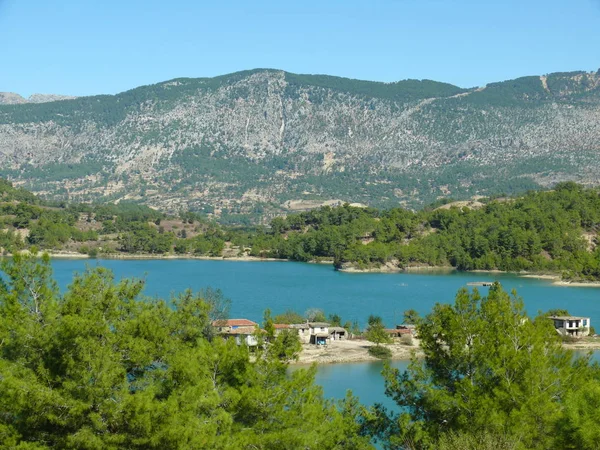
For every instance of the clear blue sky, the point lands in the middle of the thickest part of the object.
(82, 47)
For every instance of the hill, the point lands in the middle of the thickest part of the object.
(247, 143)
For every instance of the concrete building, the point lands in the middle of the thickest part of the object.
(571, 325)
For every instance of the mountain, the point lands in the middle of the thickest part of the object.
(258, 141)
(10, 98)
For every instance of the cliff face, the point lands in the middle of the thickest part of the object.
(250, 141)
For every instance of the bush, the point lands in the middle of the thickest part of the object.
(380, 352)
(407, 339)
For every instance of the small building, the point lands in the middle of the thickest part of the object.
(242, 330)
(337, 333)
(303, 332)
(281, 326)
(571, 325)
(319, 332)
(406, 328)
(226, 325)
(398, 332)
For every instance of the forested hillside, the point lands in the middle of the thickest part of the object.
(553, 231)
(248, 146)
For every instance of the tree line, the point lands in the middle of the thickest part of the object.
(554, 231)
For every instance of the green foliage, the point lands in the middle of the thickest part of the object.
(401, 91)
(96, 367)
(315, 315)
(411, 317)
(541, 231)
(380, 352)
(288, 317)
(488, 370)
(147, 239)
(285, 346)
(376, 331)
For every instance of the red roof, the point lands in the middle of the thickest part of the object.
(234, 323)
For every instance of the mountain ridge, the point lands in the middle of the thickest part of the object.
(248, 142)
(11, 98)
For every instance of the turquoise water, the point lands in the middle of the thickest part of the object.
(363, 379)
(255, 286)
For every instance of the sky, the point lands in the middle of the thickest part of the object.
(85, 47)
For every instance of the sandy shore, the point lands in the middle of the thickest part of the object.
(540, 276)
(137, 256)
(577, 283)
(351, 351)
(201, 258)
(584, 344)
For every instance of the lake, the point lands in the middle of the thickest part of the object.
(255, 286)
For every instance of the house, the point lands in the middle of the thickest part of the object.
(571, 326)
(303, 332)
(337, 333)
(242, 330)
(279, 327)
(319, 332)
(398, 332)
(406, 328)
(226, 325)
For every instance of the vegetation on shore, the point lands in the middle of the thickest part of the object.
(553, 231)
(491, 378)
(101, 366)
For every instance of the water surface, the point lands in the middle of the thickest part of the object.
(255, 286)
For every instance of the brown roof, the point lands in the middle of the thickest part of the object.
(234, 323)
(281, 326)
(398, 331)
(241, 330)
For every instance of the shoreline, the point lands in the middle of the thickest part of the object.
(351, 351)
(356, 351)
(384, 269)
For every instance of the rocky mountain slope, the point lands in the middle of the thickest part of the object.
(257, 141)
(10, 98)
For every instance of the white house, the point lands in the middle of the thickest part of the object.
(571, 326)
(319, 332)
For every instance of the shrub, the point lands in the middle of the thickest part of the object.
(380, 352)
(407, 339)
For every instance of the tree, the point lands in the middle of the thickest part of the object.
(376, 331)
(268, 325)
(335, 320)
(315, 315)
(411, 317)
(290, 316)
(102, 367)
(488, 369)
